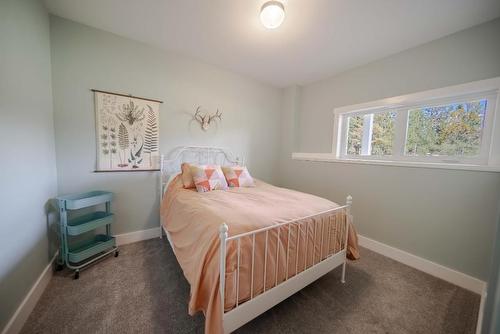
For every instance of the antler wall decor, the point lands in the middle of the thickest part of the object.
(206, 119)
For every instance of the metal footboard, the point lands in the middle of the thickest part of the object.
(324, 227)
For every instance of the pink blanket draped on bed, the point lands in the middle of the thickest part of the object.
(193, 219)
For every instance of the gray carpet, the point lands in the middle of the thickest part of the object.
(144, 291)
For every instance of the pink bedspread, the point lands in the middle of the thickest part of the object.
(193, 220)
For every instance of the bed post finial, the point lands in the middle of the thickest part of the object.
(223, 231)
(348, 200)
(222, 262)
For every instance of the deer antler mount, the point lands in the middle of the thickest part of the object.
(206, 119)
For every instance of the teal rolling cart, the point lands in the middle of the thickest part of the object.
(76, 252)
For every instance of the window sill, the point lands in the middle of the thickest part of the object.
(329, 157)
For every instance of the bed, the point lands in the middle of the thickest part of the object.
(244, 250)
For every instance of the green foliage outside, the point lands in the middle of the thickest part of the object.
(449, 130)
(382, 134)
(354, 135)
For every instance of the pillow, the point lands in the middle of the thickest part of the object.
(187, 177)
(238, 176)
(208, 177)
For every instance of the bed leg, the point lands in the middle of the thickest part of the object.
(222, 265)
(342, 280)
(162, 161)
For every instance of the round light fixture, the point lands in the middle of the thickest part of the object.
(272, 14)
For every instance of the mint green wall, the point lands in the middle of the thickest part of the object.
(445, 216)
(85, 58)
(28, 169)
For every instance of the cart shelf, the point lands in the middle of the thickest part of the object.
(77, 255)
(89, 222)
(83, 251)
(84, 200)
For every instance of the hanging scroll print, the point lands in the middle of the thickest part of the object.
(127, 131)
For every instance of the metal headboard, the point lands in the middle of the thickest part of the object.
(171, 166)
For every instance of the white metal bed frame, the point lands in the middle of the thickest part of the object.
(245, 311)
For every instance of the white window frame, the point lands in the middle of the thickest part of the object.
(490, 146)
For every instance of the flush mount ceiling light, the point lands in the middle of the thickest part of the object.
(272, 14)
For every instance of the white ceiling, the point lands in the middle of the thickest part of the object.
(318, 38)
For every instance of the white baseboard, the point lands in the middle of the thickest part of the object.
(22, 313)
(128, 238)
(455, 277)
(479, 325)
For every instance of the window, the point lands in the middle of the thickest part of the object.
(447, 130)
(454, 129)
(371, 134)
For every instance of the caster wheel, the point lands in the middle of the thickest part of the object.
(117, 253)
(77, 275)
(59, 267)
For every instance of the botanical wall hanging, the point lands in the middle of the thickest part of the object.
(127, 129)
